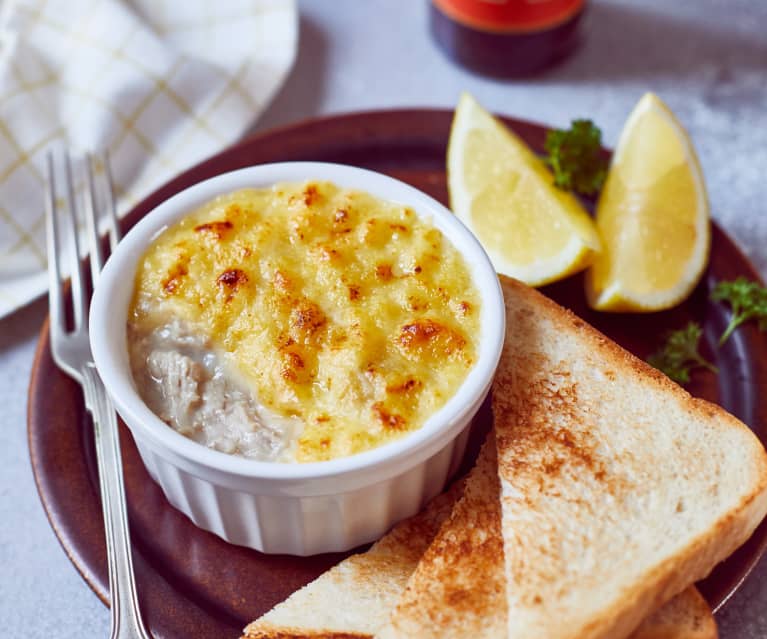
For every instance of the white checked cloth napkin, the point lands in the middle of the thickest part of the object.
(159, 84)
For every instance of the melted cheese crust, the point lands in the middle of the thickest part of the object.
(339, 308)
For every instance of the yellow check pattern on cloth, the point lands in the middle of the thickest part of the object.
(159, 84)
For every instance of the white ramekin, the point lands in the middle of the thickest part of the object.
(298, 509)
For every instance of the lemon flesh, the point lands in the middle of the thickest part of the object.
(503, 192)
(652, 215)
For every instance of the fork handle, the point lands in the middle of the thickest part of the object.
(126, 618)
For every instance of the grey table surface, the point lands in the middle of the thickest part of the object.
(706, 58)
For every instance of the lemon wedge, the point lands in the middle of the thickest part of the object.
(503, 192)
(652, 215)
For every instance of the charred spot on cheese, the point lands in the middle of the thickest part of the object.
(406, 386)
(344, 311)
(283, 341)
(175, 276)
(293, 366)
(218, 228)
(389, 420)
(231, 280)
(307, 319)
(384, 272)
(430, 336)
(311, 194)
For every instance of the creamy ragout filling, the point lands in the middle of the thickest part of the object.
(189, 385)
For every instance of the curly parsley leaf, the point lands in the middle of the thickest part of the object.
(680, 354)
(574, 157)
(747, 299)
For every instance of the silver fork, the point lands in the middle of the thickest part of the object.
(71, 351)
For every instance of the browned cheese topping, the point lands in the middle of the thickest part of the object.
(343, 310)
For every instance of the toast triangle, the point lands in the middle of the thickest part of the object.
(618, 489)
(458, 589)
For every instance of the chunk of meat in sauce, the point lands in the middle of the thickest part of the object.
(179, 377)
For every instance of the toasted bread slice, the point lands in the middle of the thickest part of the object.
(618, 489)
(353, 599)
(458, 589)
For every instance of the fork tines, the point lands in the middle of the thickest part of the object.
(77, 189)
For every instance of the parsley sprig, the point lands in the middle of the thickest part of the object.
(574, 157)
(748, 300)
(680, 354)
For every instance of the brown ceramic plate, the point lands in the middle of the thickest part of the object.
(194, 585)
